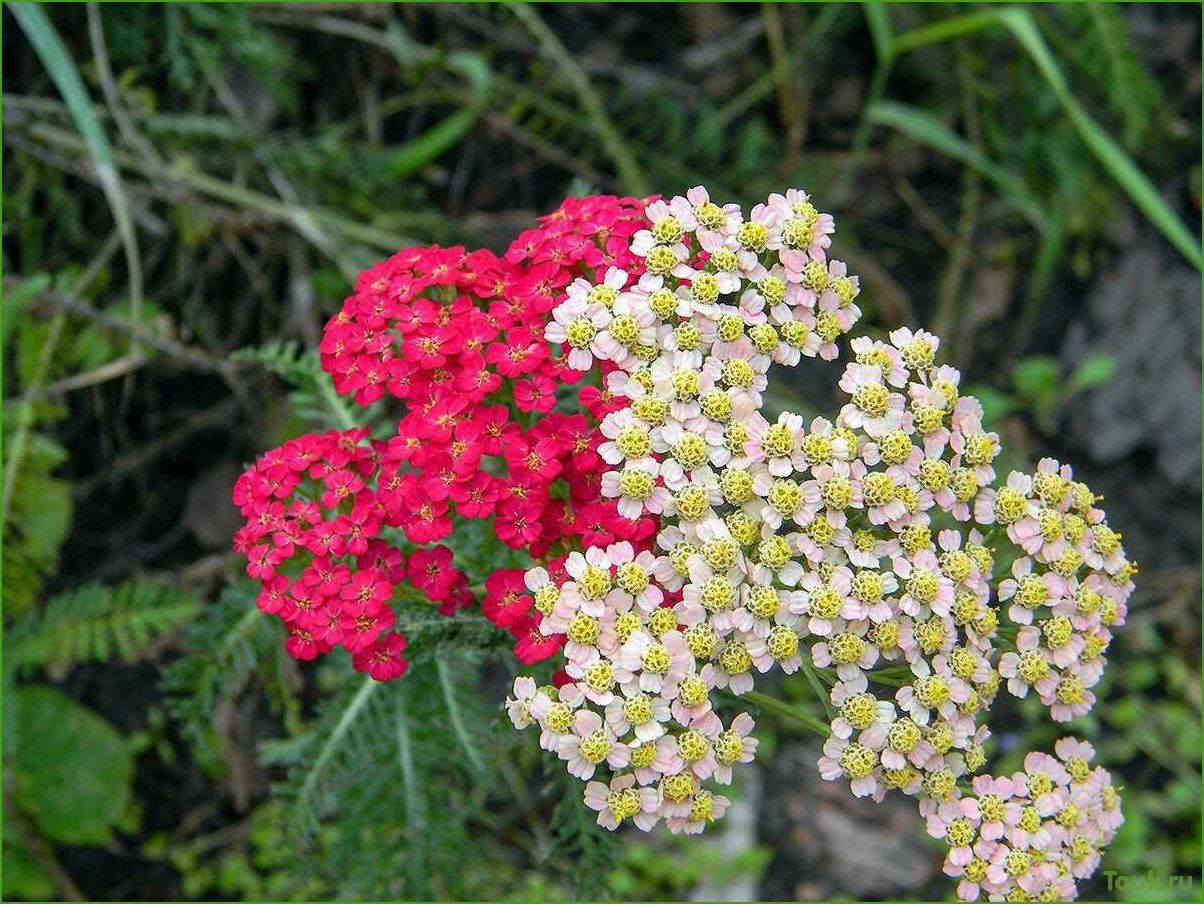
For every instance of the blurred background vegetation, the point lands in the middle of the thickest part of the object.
(188, 190)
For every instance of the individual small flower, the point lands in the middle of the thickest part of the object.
(621, 800)
(734, 745)
(577, 324)
(382, 658)
(589, 745)
(873, 407)
(655, 663)
(854, 761)
(518, 707)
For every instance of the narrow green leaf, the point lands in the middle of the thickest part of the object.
(433, 143)
(1096, 370)
(1035, 377)
(335, 740)
(1110, 154)
(614, 144)
(65, 75)
(1113, 157)
(880, 31)
(447, 681)
(946, 30)
(923, 127)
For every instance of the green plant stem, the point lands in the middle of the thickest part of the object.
(946, 315)
(773, 704)
(616, 148)
(416, 829)
(861, 138)
(336, 404)
(457, 720)
(782, 68)
(350, 714)
(65, 74)
(25, 412)
(816, 685)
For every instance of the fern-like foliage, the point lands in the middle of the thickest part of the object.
(95, 623)
(230, 647)
(312, 396)
(580, 841)
(393, 788)
(39, 519)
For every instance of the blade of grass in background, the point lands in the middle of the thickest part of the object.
(923, 127)
(65, 74)
(448, 132)
(1113, 158)
(612, 141)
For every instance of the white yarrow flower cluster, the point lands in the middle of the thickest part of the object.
(650, 637)
(862, 548)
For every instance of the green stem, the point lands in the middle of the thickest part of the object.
(26, 412)
(816, 685)
(361, 698)
(415, 825)
(457, 720)
(608, 135)
(785, 709)
(189, 177)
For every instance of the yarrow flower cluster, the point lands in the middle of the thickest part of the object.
(1030, 835)
(670, 542)
(338, 523)
(868, 550)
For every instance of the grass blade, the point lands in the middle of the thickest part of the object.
(880, 31)
(65, 75)
(15, 301)
(616, 148)
(475, 759)
(1111, 155)
(335, 739)
(927, 129)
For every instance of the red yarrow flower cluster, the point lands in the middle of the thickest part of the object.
(458, 337)
(312, 540)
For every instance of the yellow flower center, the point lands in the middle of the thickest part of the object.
(739, 373)
(702, 640)
(705, 288)
(638, 709)
(692, 692)
(656, 659)
(642, 756)
(735, 659)
(692, 746)
(753, 236)
(871, 399)
(878, 488)
(1010, 505)
(635, 483)
(667, 230)
(782, 643)
(580, 332)
(660, 260)
(594, 583)
(717, 405)
(690, 451)
(583, 629)
(846, 648)
(857, 760)
(860, 711)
